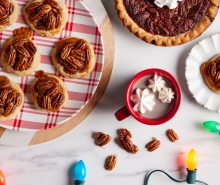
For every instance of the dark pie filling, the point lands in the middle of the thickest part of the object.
(165, 21)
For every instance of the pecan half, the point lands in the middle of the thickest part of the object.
(46, 102)
(153, 145)
(51, 22)
(44, 9)
(4, 94)
(2, 110)
(44, 85)
(12, 97)
(65, 52)
(5, 3)
(111, 162)
(9, 109)
(4, 85)
(2, 11)
(21, 64)
(80, 45)
(125, 142)
(172, 135)
(53, 4)
(30, 47)
(11, 56)
(4, 20)
(18, 42)
(32, 7)
(102, 139)
(58, 101)
(22, 51)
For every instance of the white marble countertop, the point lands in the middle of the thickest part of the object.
(49, 163)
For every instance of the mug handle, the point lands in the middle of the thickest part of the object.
(122, 113)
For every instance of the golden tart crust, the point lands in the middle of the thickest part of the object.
(48, 92)
(10, 19)
(20, 55)
(211, 73)
(46, 19)
(159, 40)
(74, 57)
(11, 99)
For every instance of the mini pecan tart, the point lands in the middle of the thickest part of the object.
(46, 17)
(73, 57)
(48, 92)
(211, 73)
(20, 56)
(164, 26)
(11, 98)
(8, 13)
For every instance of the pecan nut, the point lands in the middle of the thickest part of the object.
(125, 142)
(111, 162)
(153, 145)
(172, 135)
(44, 9)
(32, 7)
(80, 45)
(11, 56)
(58, 101)
(5, 3)
(102, 139)
(44, 85)
(9, 109)
(46, 102)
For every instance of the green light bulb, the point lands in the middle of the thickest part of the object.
(212, 126)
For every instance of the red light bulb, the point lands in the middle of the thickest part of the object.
(2, 178)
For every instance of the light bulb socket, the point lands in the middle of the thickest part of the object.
(191, 176)
(79, 182)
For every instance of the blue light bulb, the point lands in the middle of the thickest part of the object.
(80, 171)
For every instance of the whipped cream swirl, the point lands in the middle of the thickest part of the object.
(166, 95)
(169, 3)
(156, 83)
(143, 100)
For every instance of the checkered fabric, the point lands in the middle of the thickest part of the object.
(80, 24)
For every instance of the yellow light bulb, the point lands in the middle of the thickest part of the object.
(192, 160)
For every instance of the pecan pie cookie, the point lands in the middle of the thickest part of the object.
(164, 26)
(11, 99)
(20, 56)
(74, 57)
(48, 92)
(46, 17)
(8, 13)
(211, 73)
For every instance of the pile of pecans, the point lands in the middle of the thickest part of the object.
(9, 99)
(45, 15)
(50, 95)
(73, 56)
(19, 55)
(6, 9)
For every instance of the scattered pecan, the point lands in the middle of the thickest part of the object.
(102, 139)
(172, 135)
(111, 162)
(153, 145)
(125, 142)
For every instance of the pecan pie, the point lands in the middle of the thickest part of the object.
(46, 17)
(48, 92)
(8, 13)
(73, 57)
(211, 73)
(11, 98)
(20, 56)
(164, 26)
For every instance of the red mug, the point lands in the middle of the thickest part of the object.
(128, 110)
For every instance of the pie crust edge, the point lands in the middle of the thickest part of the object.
(159, 40)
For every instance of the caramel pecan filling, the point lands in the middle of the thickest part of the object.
(19, 55)
(9, 99)
(165, 21)
(6, 9)
(73, 56)
(50, 94)
(45, 15)
(214, 72)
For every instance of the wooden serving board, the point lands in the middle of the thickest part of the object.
(17, 138)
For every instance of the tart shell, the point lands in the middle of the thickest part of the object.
(159, 40)
(204, 71)
(34, 94)
(18, 89)
(48, 33)
(13, 17)
(89, 66)
(9, 69)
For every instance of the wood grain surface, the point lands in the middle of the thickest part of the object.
(50, 134)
